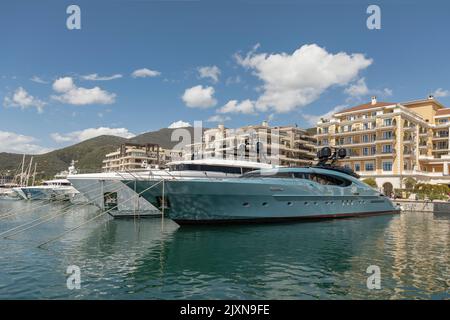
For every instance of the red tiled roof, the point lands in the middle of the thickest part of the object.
(367, 106)
(441, 112)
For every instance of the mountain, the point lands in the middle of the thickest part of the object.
(163, 137)
(88, 154)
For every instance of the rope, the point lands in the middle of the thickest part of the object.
(47, 215)
(92, 185)
(11, 213)
(97, 216)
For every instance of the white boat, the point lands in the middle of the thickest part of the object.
(115, 189)
(7, 192)
(57, 189)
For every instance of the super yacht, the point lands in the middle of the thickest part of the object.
(276, 194)
(118, 189)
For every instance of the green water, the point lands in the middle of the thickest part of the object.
(155, 259)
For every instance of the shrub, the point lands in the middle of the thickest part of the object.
(371, 182)
(432, 191)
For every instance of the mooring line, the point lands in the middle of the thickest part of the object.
(29, 222)
(70, 206)
(37, 224)
(11, 213)
(97, 216)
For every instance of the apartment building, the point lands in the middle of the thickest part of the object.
(131, 157)
(392, 141)
(282, 145)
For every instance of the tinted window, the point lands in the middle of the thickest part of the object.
(274, 174)
(329, 180)
(203, 167)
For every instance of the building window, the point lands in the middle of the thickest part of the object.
(442, 133)
(387, 166)
(368, 166)
(365, 138)
(387, 122)
(387, 148)
(357, 167)
(387, 135)
(365, 151)
(373, 150)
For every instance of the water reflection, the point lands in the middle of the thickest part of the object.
(151, 258)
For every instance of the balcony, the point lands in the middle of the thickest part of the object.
(440, 136)
(356, 131)
(385, 140)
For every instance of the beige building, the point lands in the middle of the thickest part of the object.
(283, 145)
(131, 157)
(392, 141)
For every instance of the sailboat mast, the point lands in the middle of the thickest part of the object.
(29, 170)
(34, 173)
(21, 174)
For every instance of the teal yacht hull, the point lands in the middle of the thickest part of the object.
(266, 199)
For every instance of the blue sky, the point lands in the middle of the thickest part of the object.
(287, 61)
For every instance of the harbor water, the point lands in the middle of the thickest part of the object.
(157, 259)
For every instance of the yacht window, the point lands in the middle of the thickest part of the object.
(319, 178)
(274, 174)
(329, 180)
(204, 167)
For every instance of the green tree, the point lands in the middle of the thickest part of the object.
(409, 183)
(371, 182)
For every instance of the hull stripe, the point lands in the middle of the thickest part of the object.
(284, 219)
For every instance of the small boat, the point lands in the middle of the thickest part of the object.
(7, 192)
(280, 194)
(57, 189)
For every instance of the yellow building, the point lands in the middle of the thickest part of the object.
(392, 141)
(131, 157)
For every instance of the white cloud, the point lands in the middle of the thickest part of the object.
(38, 80)
(440, 93)
(212, 72)
(22, 99)
(71, 94)
(359, 89)
(199, 97)
(63, 84)
(179, 124)
(295, 80)
(18, 143)
(218, 118)
(144, 73)
(313, 119)
(96, 77)
(233, 106)
(81, 135)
